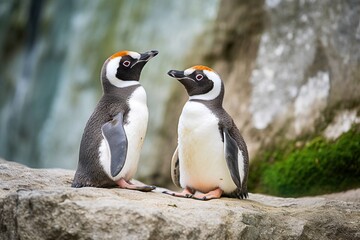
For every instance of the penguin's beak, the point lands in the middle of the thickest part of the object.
(176, 74)
(146, 56)
(184, 79)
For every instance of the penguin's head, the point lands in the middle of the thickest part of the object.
(123, 68)
(200, 82)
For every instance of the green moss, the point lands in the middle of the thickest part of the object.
(320, 166)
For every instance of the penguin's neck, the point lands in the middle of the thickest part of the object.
(217, 102)
(124, 84)
(124, 90)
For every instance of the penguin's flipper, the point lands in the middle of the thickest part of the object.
(175, 170)
(231, 151)
(115, 136)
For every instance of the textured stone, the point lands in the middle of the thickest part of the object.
(40, 204)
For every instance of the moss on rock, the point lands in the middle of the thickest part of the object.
(320, 166)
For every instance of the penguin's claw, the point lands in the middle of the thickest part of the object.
(203, 198)
(175, 194)
(186, 193)
(142, 188)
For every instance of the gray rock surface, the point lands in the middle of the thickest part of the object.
(40, 204)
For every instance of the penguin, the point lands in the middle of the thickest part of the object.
(114, 134)
(211, 159)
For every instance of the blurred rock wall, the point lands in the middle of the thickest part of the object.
(51, 53)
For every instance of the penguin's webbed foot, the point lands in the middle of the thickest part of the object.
(131, 186)
(210, 195)
(142, 188)
(186, 193)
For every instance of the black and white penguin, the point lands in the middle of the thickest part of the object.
(211, 158)
(113, 136)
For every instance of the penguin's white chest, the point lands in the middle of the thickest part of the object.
(201, 151)
(135, 129)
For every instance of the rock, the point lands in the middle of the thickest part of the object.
(348, 196)
(40, 204)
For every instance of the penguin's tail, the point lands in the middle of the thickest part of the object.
(242, 194)
(77, 185)
(238, 193)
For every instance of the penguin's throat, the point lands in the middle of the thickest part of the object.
(123, 84)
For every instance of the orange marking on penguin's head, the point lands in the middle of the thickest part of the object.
(119, 54)
(201, 67)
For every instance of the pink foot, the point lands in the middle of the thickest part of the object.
(210, 195)
(129, 185)
(186, 193)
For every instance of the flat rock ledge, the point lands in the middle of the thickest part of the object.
(40, 204)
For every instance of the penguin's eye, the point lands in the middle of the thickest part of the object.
(199, 77)
(126, 63)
